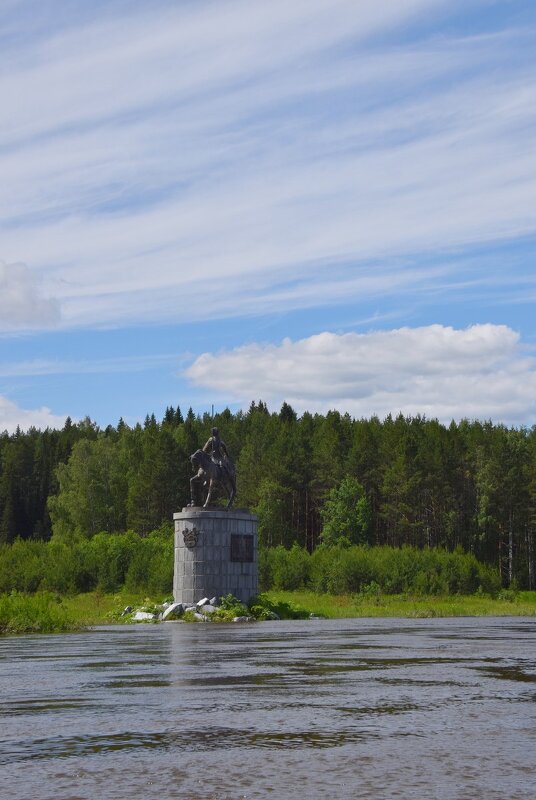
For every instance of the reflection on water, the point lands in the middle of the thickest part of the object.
(346, 708)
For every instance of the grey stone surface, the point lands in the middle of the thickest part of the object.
(143, 616)
(207, 609)
(173, 609)
(205, 570)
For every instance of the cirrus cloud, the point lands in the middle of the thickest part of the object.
(479, 372)
(22, 303)
(260, 142)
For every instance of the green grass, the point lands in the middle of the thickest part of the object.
(521, 604)
(36, 613)
(99, 608)
(45, 612)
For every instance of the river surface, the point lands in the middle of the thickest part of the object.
(304, 709)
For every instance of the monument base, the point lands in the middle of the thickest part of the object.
(215, 554)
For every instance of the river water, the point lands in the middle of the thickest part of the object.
(304, 709)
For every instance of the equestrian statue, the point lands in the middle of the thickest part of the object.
(213, 467)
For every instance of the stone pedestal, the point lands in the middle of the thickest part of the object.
(215, 554)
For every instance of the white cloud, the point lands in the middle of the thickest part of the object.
(11, 416)
(479, 372)
(153, 161)
(22, 303)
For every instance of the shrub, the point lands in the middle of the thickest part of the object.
(151, 567)
(289, 568)
(109, 562)
(343, 569)
(41, 613)
(66, 569)
(106, 562)
(22, 565)
(262, 608)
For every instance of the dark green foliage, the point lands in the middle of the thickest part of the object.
(229, 607)
(151, 566)
(346, 514)
(92, 490)
(311, 479)
(286, 569)
(39, 613)
(22, 566)
(287, 413)
(107, 562)
(262, 608)
(153, 478)
(348, 570)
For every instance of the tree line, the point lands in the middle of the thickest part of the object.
(392, 482)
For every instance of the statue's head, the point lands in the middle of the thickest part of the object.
(215, 432)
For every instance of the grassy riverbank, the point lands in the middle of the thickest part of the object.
(38, 613)
(507, 603)
(49, 613)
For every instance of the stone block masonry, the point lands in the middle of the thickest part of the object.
(215, 554)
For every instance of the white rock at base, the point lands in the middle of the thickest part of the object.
(173, 608)
(202, 602)
(142, 616)
(200, 617)
(213, 601)
(207, 609)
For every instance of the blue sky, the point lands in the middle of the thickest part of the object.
(327, 202)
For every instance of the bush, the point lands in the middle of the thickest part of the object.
(289, 569)
(38, 613)
(343, 569)
(22, 565)
(66, 569)
(107, 562)
(151, 567)
(262, 608)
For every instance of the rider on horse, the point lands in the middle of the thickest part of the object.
(213, 465)
(217, 450)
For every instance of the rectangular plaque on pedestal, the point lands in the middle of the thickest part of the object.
(241, 547)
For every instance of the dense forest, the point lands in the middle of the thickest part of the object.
(312, 479)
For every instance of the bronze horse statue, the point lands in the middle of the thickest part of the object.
(210, 473)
